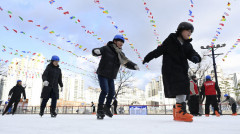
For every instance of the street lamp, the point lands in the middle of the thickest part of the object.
(213, 56)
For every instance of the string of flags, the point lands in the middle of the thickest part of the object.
(152, 22)
(77, 21)
(41, 60)
(221, 25)
(231, 49)
(121, 31)
(51, 44)
(52, 32)
(191, 16)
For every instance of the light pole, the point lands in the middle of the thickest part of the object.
(213, 56)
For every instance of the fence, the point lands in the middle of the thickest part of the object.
(122, 109)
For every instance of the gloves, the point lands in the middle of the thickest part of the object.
(61, 89)
(45, 83)
(146, 59)
(195, 59)
(136, 67)
(97, 51)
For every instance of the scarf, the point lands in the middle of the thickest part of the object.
(121, 56)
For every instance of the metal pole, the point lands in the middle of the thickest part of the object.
(214, 66)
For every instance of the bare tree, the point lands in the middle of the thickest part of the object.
(124, 79)
(201, 68)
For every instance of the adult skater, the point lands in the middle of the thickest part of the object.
(15, 96)
(193, 101)
(209, 89)
(112, 58)
(52, 77)
(93, 107)
(176, 51)
(232, 102)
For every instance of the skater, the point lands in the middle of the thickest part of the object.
(209, 89)
(112, 58)
(93, 106)
(176, 51)
(52, 77)
(193, 102)
(232, 102)
(115, 104)
(15, 96)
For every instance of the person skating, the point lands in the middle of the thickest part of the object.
(232, 102)
(112, 58)
(193, 101)
(52, 77)
(209, 89)
(93, 107)
(176, 51)
(15, 96)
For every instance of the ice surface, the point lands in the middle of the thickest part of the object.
(119, 124)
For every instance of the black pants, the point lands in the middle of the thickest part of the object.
(234, 108)
(193, 104)
(53, 102)
(15, 101)
(211, 100)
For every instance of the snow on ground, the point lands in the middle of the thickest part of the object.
(119, 124)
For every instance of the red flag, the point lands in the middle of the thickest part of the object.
(15, 30)
(121, 31)
(30, 21)
(38, 25)
(34, 53)
(190, 20)
(145, 3)
(83, 27)
(150, 13)
(78, 20)
(6, 28)
(191, 5)
(1, 9)
(60, 8)
(221, 24)
(66, 13)
(10, 16)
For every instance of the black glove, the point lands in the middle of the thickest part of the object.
(146, 59)
(195, 59)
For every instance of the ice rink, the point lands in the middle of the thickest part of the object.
(119, 124)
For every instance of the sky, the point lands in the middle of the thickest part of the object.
(130, 16)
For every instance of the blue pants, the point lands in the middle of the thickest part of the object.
(108, 89)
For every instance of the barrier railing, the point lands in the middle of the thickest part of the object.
(121, 109)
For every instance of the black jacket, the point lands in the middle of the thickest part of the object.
(109, 64)
(53, 75)
(174, 65)
(16, 92)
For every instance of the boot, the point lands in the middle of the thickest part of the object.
(100, 112)
(207, 115)
(53, 112)
(174, 112)
(217, 114)
(41, 111)
(234, 114)
(181, 113)
(107, 111)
